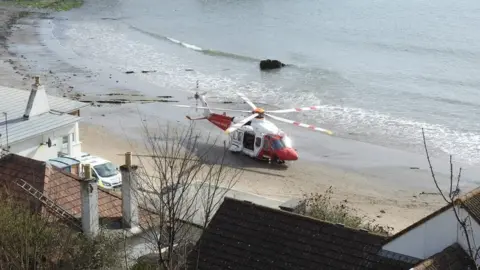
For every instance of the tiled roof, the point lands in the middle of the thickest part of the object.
(59, 186)
(453, 257)
(14, 101)
(395, 261)
(243, 235)
(471, 202)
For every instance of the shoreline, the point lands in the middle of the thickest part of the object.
(362, 186)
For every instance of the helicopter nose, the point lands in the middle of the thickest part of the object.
(288, 154)
(291, 154)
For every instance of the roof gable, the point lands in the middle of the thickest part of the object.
(37, 102)
(419, 222)
(243, 235)
(470, 202)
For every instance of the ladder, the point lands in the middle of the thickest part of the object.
(55, 208)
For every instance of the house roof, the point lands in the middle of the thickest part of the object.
(59, 186)
(14, 101)
(471, 202)
(243, 235)
(12, 98)
(453, 257)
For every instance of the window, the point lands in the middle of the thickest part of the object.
(65, 138)
(277, 144)
(266, 143)
(106, 169)
(258, 142)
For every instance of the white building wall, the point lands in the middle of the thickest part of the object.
(473, 230)
(428, 238)
(37, 148)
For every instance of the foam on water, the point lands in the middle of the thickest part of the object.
(101, 42)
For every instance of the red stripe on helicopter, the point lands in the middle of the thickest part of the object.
(298, 109)
(296, 123)
(313, 107)
(311, 127)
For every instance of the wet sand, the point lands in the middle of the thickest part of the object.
(387, 185)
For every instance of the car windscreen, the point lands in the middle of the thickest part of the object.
(277, 144)
(106, 169)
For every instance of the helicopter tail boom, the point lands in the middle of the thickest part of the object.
(221, 121)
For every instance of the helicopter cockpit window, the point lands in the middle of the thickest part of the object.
(278, 144)
(258, 142)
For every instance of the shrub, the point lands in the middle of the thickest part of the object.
(58, 5)
(320, 206)
(31, 241)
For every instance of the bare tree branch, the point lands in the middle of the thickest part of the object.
(431, 168)
(186, 179)
(452, 200)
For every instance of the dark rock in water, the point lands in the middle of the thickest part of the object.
(271, 64)
(129, 72)
(148, 71)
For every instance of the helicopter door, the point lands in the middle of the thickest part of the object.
(267, 146)
(248, 141)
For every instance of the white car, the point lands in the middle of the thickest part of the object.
(106, 173)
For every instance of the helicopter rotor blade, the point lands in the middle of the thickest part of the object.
(247, 100)
(217, 109)
(300, 124)
(311, 108)
(240, 124)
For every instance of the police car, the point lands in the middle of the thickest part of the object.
(107, 174)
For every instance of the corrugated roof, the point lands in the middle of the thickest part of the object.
(20, 129)
(14, 101)
(62, 162)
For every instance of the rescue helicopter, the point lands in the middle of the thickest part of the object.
(255, 136)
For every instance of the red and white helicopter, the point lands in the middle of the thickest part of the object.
(254, 135)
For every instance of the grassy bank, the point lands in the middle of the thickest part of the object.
(58, 5)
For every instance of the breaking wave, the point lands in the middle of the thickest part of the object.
(197, 48)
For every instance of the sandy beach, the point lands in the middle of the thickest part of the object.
(389, 186)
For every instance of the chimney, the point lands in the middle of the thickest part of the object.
(37, 102)
(89, 193)
(129, 187)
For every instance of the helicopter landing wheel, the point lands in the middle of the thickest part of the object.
(276, 160)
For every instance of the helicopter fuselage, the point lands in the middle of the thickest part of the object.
(259, 138)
